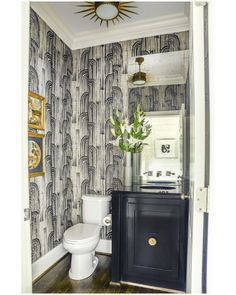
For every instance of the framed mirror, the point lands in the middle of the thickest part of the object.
(164, 99)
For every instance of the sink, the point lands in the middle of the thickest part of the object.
(162, 182)
(158, 187)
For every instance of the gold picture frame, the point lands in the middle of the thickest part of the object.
(36, 111)
(35, 154)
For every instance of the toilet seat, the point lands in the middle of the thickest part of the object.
(82, 233)
(81, 240)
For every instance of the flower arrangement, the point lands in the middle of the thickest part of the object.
(130, 137)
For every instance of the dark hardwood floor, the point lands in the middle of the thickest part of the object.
(56, 280)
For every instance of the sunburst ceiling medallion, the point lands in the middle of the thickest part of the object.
(107, 11)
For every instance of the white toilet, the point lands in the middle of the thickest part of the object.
(81, 239)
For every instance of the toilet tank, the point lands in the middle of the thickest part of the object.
(95, 208)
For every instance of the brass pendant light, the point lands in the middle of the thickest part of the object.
(107, 11)
(139, 78)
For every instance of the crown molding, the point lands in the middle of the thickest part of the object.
(45, 11)
(155, 26)
(151, 27)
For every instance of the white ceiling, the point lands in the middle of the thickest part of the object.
(77, 31)
(77, 24)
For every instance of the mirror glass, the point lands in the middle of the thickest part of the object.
(167, 68)
(163, 99)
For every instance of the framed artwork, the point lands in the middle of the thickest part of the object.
(35, 154)
(36, 111)
(165, 148)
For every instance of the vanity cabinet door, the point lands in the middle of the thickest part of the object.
(154, 242)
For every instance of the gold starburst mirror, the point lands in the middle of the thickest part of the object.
(107, 11)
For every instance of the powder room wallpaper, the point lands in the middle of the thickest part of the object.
(83, 89)
(99, 87)
(51, 196)
(157, 98)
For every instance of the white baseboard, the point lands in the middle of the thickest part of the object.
(104, 246)
(46, 261)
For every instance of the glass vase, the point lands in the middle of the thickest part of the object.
(128, 170)
(136, 168)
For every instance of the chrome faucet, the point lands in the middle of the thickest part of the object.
(169, 173)
(149, 173)
(159, 173)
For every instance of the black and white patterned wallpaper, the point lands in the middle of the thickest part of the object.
(157, 98)
(99, 87)
(51, 197)
(83, 89)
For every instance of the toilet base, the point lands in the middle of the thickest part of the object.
(82, 266)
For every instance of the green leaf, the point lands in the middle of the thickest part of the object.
(122, 146)
(117, 114)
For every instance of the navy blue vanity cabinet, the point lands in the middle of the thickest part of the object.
(149, 239)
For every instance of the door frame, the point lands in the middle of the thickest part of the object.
(196, 242)
(207, 143)
(26, 267)
(222, 255)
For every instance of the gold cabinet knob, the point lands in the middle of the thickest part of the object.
(152, 241)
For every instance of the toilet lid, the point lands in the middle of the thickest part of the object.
(82, 232)
(97, 198)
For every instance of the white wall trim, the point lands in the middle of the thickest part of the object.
(26, 269)
(46, 261)
(104, 246)
(151, 27)
(197, 148)
(167, 24)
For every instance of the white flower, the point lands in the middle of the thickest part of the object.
(144, 130)
(113, 132)
(132, 141)
(139, 128)
(115, 141)
(128, 127)
(140, 118)
(112, 120)
(122, 128)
